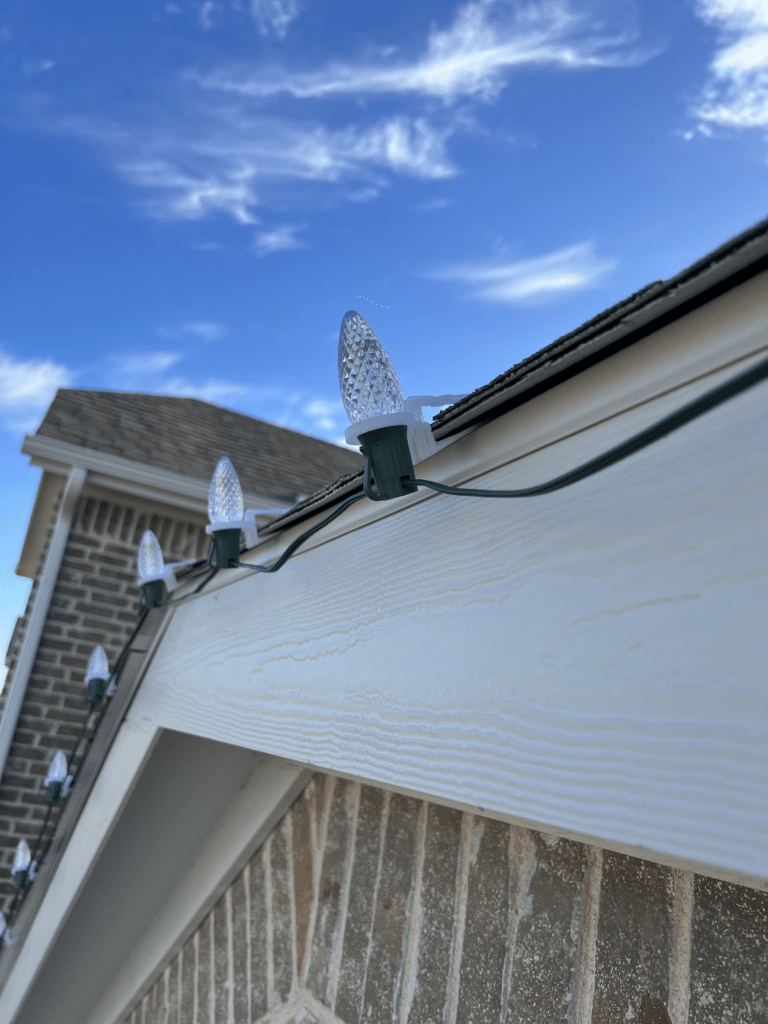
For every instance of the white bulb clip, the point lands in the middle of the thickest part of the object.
(226, 507)
(151, 564)
(371, 392)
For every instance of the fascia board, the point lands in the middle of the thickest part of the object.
(126, 475)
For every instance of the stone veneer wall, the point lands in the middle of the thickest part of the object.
(368, 906)
(95, 601)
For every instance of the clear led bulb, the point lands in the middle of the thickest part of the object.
(3, 925)
(225, 497)
(367, 380)
(58, 769)
(151, 564)
(22, 858)
(98, 666)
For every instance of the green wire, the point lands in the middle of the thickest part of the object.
(754, 375)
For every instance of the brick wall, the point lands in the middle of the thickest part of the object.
(368, 906)
(95, 601)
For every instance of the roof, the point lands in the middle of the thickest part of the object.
(615, 328)
(188, 435)
(630, 320)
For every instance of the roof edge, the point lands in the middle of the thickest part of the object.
(630, 320)
(122, 474)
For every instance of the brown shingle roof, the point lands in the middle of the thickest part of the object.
(189, 436)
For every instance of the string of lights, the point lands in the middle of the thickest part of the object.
(392, 435)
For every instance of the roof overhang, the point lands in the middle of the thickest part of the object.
(112, 473)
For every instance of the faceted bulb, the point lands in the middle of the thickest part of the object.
(22, 858)
(225, 498)
(98, 666)
(367, 380)
(58, 769)
(151, 562)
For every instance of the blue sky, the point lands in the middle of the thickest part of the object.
(195, 192)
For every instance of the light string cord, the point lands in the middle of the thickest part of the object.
(710, 400)
(674, 421)
(341, 507)
(20, 894)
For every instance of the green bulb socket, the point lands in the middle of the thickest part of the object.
(152, 594)
(226, 548)
(52, 793)
(20, 879)
(390, 461)
(96, 690)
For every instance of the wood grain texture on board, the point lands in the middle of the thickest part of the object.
(589, 661)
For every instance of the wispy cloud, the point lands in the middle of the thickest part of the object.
(473, 56)
(205, 330)
(736, 92)
(274, 15)
(38, 66)
(535, 281)
(212, 390)
(432, 204)
(28, 388)
(279, 239)
(211, 165)
(225, 140)
(147, 363)
(207, 14)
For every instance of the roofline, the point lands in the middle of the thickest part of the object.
(138, 478)
(630, 320)
(650, 309)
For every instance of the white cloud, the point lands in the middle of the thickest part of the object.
(206, 14)
(216, 391)
(472, 57)
(279, 239)
(142, 363)
(189, 196)
(28, 388)
(736, 92)
(205, 330)
(530, 282)
(432, 204)
(39, 66)
(210, 166)
(324, 415)
(274, 15)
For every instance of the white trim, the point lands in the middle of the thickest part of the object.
(37, 616)
(131, 749)
(126, 475)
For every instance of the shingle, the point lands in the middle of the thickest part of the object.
(188, 435)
